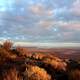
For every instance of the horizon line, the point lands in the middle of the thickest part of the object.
(46, 45)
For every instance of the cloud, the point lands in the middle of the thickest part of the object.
(75, 8)
(64, 25)
(74, 25)
(41, 10)
(42, 20)
(70, 25)
(45, 24)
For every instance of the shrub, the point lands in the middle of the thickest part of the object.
(74, 75)
(11, 74)
(7, 45)
(36, 73)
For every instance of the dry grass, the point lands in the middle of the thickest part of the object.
(11, 74)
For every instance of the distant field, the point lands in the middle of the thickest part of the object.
(71, 53)
(63, 50)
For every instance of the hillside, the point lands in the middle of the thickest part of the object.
(22, 63)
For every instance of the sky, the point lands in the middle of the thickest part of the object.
(40, 20)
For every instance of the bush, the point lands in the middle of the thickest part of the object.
(7, 45)
(74, 75)
(36, 73)
(11, 74)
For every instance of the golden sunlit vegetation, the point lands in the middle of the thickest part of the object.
(36, 73)
(11, 74)
(19, 64)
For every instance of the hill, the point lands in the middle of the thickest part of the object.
(22, 63)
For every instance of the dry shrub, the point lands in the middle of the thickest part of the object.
(7, 45)
(36, 73)
(38, 56)
(74, 75)
(23, 52)
(11, 74)
(56, 63)
(4, 55)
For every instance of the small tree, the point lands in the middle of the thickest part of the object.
(7, 45)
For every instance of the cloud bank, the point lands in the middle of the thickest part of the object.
(40, 20)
